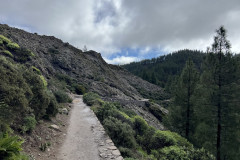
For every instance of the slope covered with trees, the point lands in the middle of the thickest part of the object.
(164, 69)
(205, 107)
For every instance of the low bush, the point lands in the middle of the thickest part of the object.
(43, 81)
(53, 51)
(126, 152)
(140, 125)
(29, 124)
(7, 53)
(13, 46)
(52, 108)
(122, 134)
(137, 140)
(5, 39)
(62, 97)
(162, 139)
(23, 55)
(156, 111)
(35, 69)
(79, 89)
(90, 97)
(171, 153)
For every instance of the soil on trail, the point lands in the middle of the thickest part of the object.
(86, 138)
(79, 142)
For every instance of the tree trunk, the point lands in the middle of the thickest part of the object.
(219, 107)
(188, 105)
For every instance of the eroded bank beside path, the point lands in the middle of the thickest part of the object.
(86, 138)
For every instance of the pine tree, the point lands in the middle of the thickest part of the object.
(181, 113)
(218, 108)
(153, 78)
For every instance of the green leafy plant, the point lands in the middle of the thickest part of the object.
(10, 147)
(13, 46)
(43, 80)
(8, 53)
(35, 69)
(5, 39)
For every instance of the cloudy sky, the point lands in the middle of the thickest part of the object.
(127, 30)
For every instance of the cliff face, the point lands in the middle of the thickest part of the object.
(52, 56)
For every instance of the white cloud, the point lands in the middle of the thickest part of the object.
(108, 26)
(121, 60)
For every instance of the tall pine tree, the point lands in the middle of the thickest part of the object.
(181, 113)
(218, 107)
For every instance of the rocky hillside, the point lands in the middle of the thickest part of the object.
(54, 57)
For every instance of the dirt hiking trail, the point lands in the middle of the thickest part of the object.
(86, 138)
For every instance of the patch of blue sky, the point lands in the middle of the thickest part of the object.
(11, 23)
(141, 53)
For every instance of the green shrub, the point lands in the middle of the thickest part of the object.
(62, 97)
(126, 152)
(35, 69)
(156, 111)
(5, 39)
(52, 108)
(90, 97)
(1, 41)
(10, 147)
(29, 124)
(162, 139)
(7, 53)
(122, 134)
(181, 141)
(146, 139)
(172, 153)
(53, 51)
(140, 125)
(106, 110)
(13, 46)
(79, 89)
(23, 55)
(14, 92)
(64, 77)
(182, 153)
(40, 99)
(43, 81)
(200, 154)
(128, 112)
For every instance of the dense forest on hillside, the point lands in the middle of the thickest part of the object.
(205, 90)
(166, 68)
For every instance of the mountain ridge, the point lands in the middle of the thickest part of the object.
(53, 56)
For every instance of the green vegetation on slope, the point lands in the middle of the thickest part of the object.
(204, 107)
(25, 97)
(136, 139)
(164, 69)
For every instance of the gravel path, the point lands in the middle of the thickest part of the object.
(86, 138)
